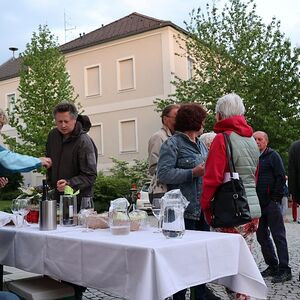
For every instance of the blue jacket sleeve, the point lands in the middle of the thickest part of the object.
(167, 171)
(11, 162)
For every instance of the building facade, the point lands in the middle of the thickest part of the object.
(118, 71)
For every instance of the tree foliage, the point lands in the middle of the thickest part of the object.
(235, 51)
(44, 82)
(136, 173)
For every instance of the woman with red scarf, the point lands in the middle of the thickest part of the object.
(230, 119)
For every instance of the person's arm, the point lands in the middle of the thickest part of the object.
(215, 168)
(292, 173)
(279, 178)
(154, 146)
(87, 166)
(167, 171)
(14, 162)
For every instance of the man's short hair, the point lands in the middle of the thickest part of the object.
(66, 106)
(230, 105)
(166, 111)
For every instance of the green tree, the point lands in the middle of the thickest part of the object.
(44, 82)
(235, 51)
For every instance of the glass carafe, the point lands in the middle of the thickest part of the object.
(173, 204)
(119, 221)
(68, 210)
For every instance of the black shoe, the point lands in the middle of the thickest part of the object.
(282, 276)
(209, 295)
(270, 271)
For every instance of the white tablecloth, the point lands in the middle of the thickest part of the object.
(141, 265)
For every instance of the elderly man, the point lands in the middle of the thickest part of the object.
(168, 116)
(270, 190)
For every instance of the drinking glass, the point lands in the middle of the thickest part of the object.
(20, 208)
(86, 209)
(155, 206)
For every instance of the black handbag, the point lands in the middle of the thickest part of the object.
(230, 205)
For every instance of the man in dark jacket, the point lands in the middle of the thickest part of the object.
(73, 152)
(270, 190)
(74, 156)
(294, 173)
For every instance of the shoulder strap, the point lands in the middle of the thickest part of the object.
(229, 154)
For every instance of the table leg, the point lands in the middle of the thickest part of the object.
(1, 277)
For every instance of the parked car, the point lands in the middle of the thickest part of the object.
(142, 201)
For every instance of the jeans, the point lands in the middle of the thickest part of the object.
(198, 290)
(271, 221)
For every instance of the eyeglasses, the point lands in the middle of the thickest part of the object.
(172, 117)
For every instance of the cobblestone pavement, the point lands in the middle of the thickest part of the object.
(289, 290)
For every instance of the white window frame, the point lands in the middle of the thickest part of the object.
(86, 80)
(101, 140)
(6, 99)
(122, 151)
(118, 74)
(190, 67)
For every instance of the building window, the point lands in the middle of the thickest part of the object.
(92, 81)
(10, 100)
(190, 66)
(128, 136)
(96, 133)
(126, 74)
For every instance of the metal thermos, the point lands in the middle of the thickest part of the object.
(48, 215)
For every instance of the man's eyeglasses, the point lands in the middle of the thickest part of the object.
(172, 117)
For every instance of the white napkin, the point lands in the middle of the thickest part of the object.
(5, 218)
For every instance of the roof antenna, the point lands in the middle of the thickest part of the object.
(13, 49)
(65, 26)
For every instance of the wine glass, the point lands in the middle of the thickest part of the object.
(24, 208)
(86, 209)
(20, 208)
(155, 206)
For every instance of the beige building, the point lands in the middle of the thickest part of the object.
(118, 71)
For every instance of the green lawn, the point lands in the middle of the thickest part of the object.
(5, 204)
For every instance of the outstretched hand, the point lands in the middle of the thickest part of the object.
(46, 162)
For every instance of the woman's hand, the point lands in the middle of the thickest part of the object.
(46, 162)
(3, 181)
(198, 171)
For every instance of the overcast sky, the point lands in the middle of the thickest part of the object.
(19, 18)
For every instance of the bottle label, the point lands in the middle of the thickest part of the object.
(71, 211)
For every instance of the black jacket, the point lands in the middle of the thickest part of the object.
(73, 159)
(293, 171)
(271, 177)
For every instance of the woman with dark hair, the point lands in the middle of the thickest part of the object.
(181, 166)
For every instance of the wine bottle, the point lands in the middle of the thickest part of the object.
(45, 196)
